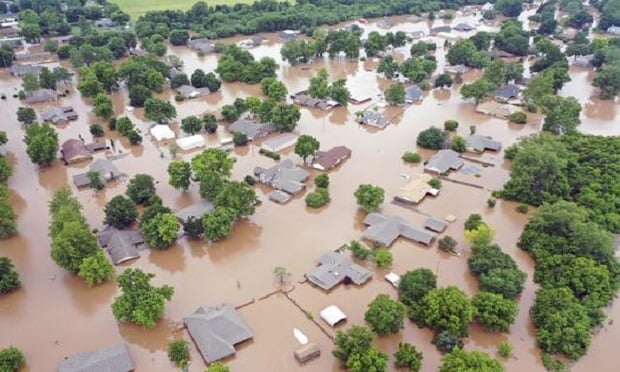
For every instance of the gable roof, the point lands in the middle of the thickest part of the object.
(188, 91)
(55, 114)
(443, 161)
(326, 160)
(385, 229)
(480, 143)
(285, 176)
(373, 118)
(413, 93)
(280, 142)
(507, 91)
(438, 29)
(115, 358)
(252, 129)
(416, 189)
(42, 95)
(196, 210)
(279, 197)
(463, 27)
(121, 244)
(74, 150)
(216, 330)
(435, 224)
(106, 169)
(335, 268)
(21, 70)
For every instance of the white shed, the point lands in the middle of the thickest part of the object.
(393, 278)
(191, 142)
(162, 132)
(280, 142)
(332, 315)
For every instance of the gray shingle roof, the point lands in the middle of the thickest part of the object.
(188, 91)
(435, 224)
(115, 358)
(373, 118)
(335, 268)
(120, 244)
(385, 229)
(480, 143)
(285, 176)
(443, 161)
(196, 210)
(326, 160)
(507, 92)
(106, 169)
(42, 95)
(216, 330)
(252, 129)
(413, 93)
(279, 197)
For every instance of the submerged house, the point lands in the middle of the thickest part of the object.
(42, 95)
(507, 92)
(334, 268)
(106, 169)
(439, 29)
(326, 160)
(464, 27)
(413, 94)
(416, 190)
(113, 358)
(121, 245)
(302, 99)
(59, 115)
(203, 45)
(443, 161)
(280, 142)
(284, 176)
(216, 330)
(252, 129)
(373, 119)
(74, 150)
(477, 143)
(196, 210)
(435, 224)
(188, 91)
(21, 70)
(385, 229)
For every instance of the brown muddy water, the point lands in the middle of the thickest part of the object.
(55, 315)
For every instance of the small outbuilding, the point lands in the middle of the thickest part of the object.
(307, 352)
(162, 132)
(332, 315)
(280, 142)
(279, 197)
(191, 142)
(415, 191)
(435, 224)
(393, 279)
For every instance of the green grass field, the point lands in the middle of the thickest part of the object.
(136, 8)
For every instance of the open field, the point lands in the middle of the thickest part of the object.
(137, 8)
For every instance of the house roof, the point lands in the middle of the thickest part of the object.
(373, 118)
(42, 95)
(120, 244)
(285, 176)
(335, 268)
(325, 160)
(435, 224)
(196, 210)
(191, 142)
(507, 91)
(74, 149)
(332, 315)
(438, 29)
(20, 70)
(188, 91)
(480, 143)
(443, 161)
(162, 132)
(252, 129)
(55, 114)
(463, 27)
(105, 22)
(413, 93)
(202, 44)
(416, 189)
(115, 358)
(216, 330)
(457, 69)
(280, 140)
(173, 71)
(385, 229)
(279, 197)
(104, 167)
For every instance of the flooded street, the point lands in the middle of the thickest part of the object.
(55, 315)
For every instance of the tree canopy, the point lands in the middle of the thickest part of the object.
(445, 309)
(41, 143)
(465, 361)
(369, 197)
(385, 315)
(415, 284)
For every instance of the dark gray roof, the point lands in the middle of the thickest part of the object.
(42, 95)
(438, 29)
(480, 143)
(507, 92)
(443, 161)
(373, 118)
(106, 169)
(413, 93)
(173, 71)
(120, 244)
(334, 268)
(287, 36)
(252, 129)
(385, 229)
(279, 197)
(115, 358)
(216, 330)
(201, 44)
(21, 70)
(463, 27)
(435, 224)
(285, 176)
(196, 210)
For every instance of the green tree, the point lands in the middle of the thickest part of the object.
(210, 123)
(445, 309)
(140, 302)
(414, 285)
(447, 244)
(388, 67)
(217, 367)
(30, 83)
(179, 80)
(443, 80)
(102, 106)
(458, 144)
(5, 168)
(460, 360)
(383, 258)
(281, 274)
(30, 31)
(494, 312)
(355, 340)
(285, 117)
(408, 357)
(212, 160)
(124, 126)
(238, 197)
(11, 359)
(319, 86)
(161, 231)
(376, 43)
(26, 115)
(369, 360)
(96, 269)
(432, 138)
(9, 278)
(138, 95)
(72, 245)
(120, 212)
(446, 341)
(230, 113)
(395, 94)
(218, 223)
(274, 89)
(191, 124)
(180, 173)
(608, 79)
(193, 228)
(41, 143)
(477, 90)
(159, 110)
(306, 145)
(318, 198)
(322, 180)
(339, 92)
(96, 130)
(487, 257)
(141, 188)
(506, 282)
(385, 315)
(369, 197)
(94, 180)
(178, 37)
(562, 114)
(481, 235)
(178, 352)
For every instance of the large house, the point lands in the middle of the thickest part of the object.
(373, 119)
(113, 358)
(334, 268)
(284, 176)
(477, 143)
(121, 245)
(416, 190)
(443, 161)
(326, 160)
(59, 115)
(507, 92)
(385, 229)
(252, 129)
(280, 142)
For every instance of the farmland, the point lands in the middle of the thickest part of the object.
(137, 8)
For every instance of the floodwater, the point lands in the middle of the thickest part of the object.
(55, 315)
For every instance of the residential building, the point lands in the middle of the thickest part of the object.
(105, 22)
(332, 315)
(463, 27)
(415, 191)
(477, 143)
(74, 150)
(507, 92)
(196, 210)
(335, 268)
(327, 160)
(106, 169)
(59, 115)
(114, 358)
(284, 176)
(385, 229)
(435, 224)
(373, 119)
(439, 29)
(21, 70)
(444, 161)
(188, 91)
(413, 94)
(121, 245)
(280, 142)
(42, 95)
(252, 129)
(302, 99)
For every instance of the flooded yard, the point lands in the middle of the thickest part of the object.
(55, 315)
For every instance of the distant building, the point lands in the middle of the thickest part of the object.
(138, 52)
(463, 27)
(385, 229)
(59, 115)
(114, 358)
(121, 245)
(326, 160)
(21, 70)
(334, 268)
(188, 91)
(439, 29)
(613, 30)
(191, 142)
(204, 45)
(216, 330)
(477, 143)
(415, 191)
(507, 92)
(413, 94)
(284, 176)
(457, 69)
(287, 35)
(444, 161)
(105, 22)
(196, 210)
(42, 95)
(302, 99)
(106, 169)
(251, 42)
(162, 132)
(280, 142)
(252, 129)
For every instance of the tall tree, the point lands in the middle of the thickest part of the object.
(180, 173)
(41, 143)
(385, 315)
(369, 197)
(306, 145)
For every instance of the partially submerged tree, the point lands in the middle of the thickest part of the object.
(9, 278)
(369, 197)
(385, 315)
(120, 212)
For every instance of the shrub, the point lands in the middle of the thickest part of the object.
(407, 356)
(11, 359)
(269, 154)
(249, 180)
(383, 258)
(432, 138)
(322, 180)
(522, 208)
(359, 250)
(450, 125)
(458, 144)
(134, 138)
(518, 117)
(473, 221)
(96, 130)
(435, 183)
(317, 199)
(446, 341)
(504, 349)
(491, 202)
(412, 157)
(178, 352)
(447, 243)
